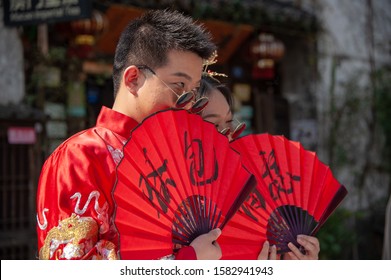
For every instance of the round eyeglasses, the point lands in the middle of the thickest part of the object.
(234, 133)
(184, 99)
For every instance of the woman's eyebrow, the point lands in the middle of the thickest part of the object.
(211, 116)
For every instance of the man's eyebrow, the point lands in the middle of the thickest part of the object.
(182, 74)
(187, 77)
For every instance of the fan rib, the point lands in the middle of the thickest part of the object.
(187, 225)
(246, 190)
(337, 199)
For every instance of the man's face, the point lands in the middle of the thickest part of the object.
(161, 90)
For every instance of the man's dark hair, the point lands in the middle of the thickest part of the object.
(148, 39)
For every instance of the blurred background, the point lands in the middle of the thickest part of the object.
(316, 71)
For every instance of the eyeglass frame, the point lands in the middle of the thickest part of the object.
(240, 127)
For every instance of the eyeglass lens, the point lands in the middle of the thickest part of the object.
(237, 131)
(184, 99)
(199, 105)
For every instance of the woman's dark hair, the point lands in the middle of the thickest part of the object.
(148, 39)
(208, 83)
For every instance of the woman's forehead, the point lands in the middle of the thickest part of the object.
(217, 106)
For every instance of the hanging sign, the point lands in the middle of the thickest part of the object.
(28, 12)
(21, 135)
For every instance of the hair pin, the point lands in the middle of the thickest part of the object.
(212, 60)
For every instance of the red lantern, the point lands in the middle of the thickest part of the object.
(266, 50)
(264, 69)
(95, 25)
(86, 31)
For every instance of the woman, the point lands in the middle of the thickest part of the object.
(221, 108)
(219, 111)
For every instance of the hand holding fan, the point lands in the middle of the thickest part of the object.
(295, 194)
(178, 179)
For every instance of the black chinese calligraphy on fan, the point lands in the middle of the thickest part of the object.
(278, 181)
(158, 189)
(254, 201)
(194, 152)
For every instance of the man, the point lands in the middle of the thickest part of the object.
(157, 65)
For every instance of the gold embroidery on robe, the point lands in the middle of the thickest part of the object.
(72, 238)
(105, 251)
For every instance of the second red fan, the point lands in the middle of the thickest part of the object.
(295, 194)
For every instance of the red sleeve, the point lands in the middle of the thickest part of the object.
(72, 208)
(186, 253)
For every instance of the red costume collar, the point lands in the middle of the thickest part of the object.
(116, 122)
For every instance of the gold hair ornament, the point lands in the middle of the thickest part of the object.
(212, 60)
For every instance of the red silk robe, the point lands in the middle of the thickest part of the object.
(74, 202)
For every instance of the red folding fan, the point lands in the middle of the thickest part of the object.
(178, 179)
(295, 194)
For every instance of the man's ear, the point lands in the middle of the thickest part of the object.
(131, 78)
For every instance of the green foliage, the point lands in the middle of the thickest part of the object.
(359, 111)
(382, 93)
(280, 15)
(336, 236)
